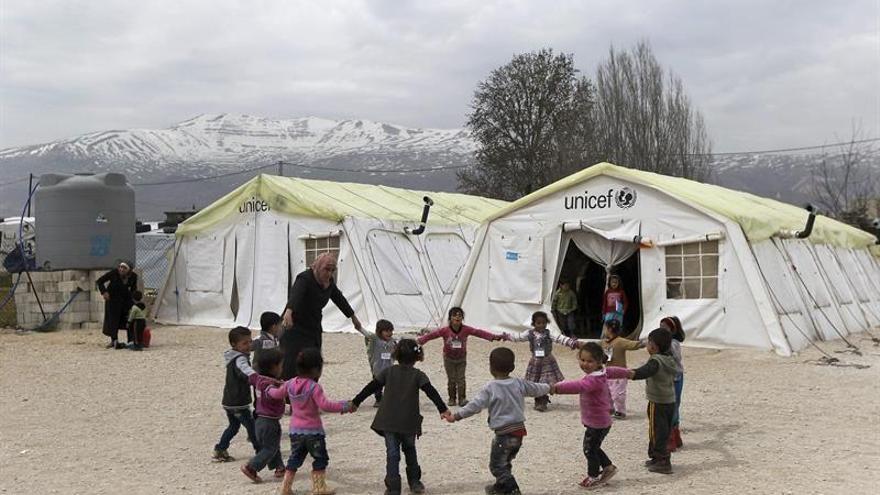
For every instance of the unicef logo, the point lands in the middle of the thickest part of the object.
(625, 197)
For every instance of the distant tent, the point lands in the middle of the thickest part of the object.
(237, 258)
(724, 261)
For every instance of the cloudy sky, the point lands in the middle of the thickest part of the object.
(765, 74)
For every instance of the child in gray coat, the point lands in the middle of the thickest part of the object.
(380, 347)
(505, 398)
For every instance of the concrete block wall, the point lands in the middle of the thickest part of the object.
(54, 290)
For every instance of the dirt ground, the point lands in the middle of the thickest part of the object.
(80, 419)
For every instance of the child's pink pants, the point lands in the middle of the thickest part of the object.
(617, 387)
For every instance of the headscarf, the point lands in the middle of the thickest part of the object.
(324, 279)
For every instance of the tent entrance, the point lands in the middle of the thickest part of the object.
(592, 252)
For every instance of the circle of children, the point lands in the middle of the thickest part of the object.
(396, 388)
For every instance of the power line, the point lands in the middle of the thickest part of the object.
(16, 181)
(783, 150)
(442, 168)
(398, 171)
(197, 179)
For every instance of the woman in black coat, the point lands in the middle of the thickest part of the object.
(311, 291)
(116, 287)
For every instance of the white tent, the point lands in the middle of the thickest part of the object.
(726, 262)
(237, 258)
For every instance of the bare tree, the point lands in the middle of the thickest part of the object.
(645, 123)
(845, 180)
(532, 120)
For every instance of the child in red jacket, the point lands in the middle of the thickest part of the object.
(614, 302)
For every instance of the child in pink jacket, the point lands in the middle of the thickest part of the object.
(307, 400)
(455, 352)
(595, 410)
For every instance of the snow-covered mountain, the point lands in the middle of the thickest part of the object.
(210, 145)
(312, 147)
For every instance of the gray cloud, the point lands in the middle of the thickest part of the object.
(764, 74)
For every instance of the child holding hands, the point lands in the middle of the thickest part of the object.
(455, 352)
(380, 347)
(505, 398)
(595, 404)
(616, 347)
(307, 400)
(659, 373)
(543, 367)
(398, 418)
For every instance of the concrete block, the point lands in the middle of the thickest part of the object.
(92, 325)
(74, 275)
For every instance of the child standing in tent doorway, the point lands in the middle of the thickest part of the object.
(616, 347)
(455, 352)
(380, 348)
(614, 302)
(564, 307)
(673, 325)
(543, 367)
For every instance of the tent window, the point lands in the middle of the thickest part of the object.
(692, 271)
(321, 245)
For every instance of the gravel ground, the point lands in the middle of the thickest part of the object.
(80, 419)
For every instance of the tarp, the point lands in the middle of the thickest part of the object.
(760, 218)
(338, 200)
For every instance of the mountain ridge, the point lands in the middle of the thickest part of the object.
(352, 150)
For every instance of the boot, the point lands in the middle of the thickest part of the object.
(392, 485)
(453, 398)
(677, 434)
(319, 484)
(662, 466)
(462, 395)
(287, 484)
(414, 480)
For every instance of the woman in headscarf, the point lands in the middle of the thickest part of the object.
(312, 289)
(116, 287)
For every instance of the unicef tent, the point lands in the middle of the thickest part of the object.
(237, 258)
(728, 263)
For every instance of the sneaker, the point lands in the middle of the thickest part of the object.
(650, 462)
(250, 473)
(541, 407)
(462, 402)
(619, 415)
(417, 487)
(279, 472)
(120, 345)
(589, 482)
(662, 467)
(608, 473)
(222, 456)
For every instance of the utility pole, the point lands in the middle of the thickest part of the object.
(30, 190)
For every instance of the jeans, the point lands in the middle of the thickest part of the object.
(238, 418)
(455, 379)
(596, 457)
(679, 385)
(567, 324)
(504, 450)
(313, 445)
(269, 439)
(394, 443)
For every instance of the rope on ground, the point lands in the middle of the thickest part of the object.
(833, 361)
